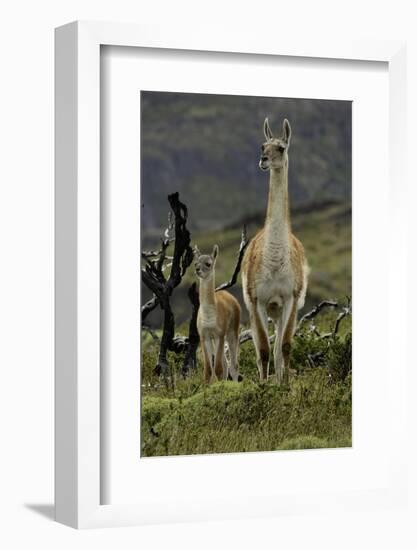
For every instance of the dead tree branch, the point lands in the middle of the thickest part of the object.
(190, 359)
(315, 359)
(316, 310)
(149, 306)
(346, 311)
(246, 335)
(162, 288)
(243, 245)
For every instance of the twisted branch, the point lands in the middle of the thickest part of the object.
(316, 310)
(162, 288)
(149, 306)
(243, 245)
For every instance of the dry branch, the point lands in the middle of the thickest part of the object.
(246, 335)
(190, 359)
(316, 310)
(162, 288)
(346, 311)
(314, 359)
(149, 306)
(243, 245)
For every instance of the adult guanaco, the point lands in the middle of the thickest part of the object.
(274, 268)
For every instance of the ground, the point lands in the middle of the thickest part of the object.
(185, 416)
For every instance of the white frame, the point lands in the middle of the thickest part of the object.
(77, 393)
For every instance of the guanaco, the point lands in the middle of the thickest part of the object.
(218, 321)
(274, 268)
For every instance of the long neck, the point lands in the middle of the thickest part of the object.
(277, 222)
(207, 291)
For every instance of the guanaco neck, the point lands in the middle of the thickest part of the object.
(207, 293)
(277, 222)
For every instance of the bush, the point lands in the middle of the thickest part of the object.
(184, 417)
(249, 416)
(334, 353)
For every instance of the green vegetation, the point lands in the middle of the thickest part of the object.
(188, 417)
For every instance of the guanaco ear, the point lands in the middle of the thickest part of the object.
(215, 251)
(286, 131)
(267, 130)
(196, 251)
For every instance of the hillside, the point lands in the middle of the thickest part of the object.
(207, 148)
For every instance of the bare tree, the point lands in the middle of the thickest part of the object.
(154, 278)
(157, 262)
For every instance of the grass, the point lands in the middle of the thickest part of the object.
(187, 417)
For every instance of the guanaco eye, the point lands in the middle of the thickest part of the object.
(281, 149)
(208, 264)
(262, 148)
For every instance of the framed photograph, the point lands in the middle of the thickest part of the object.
(224, 206)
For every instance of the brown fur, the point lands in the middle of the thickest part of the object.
(253, 260)
(276, 260)
(218, 321)
(227, 328)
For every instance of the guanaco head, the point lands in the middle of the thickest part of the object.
(204, 263)
(274, 152)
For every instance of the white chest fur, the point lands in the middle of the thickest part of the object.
(274, 282)
(207, 316)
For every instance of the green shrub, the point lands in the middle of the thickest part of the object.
(339, 357)
(248, 416)
(185, 416)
